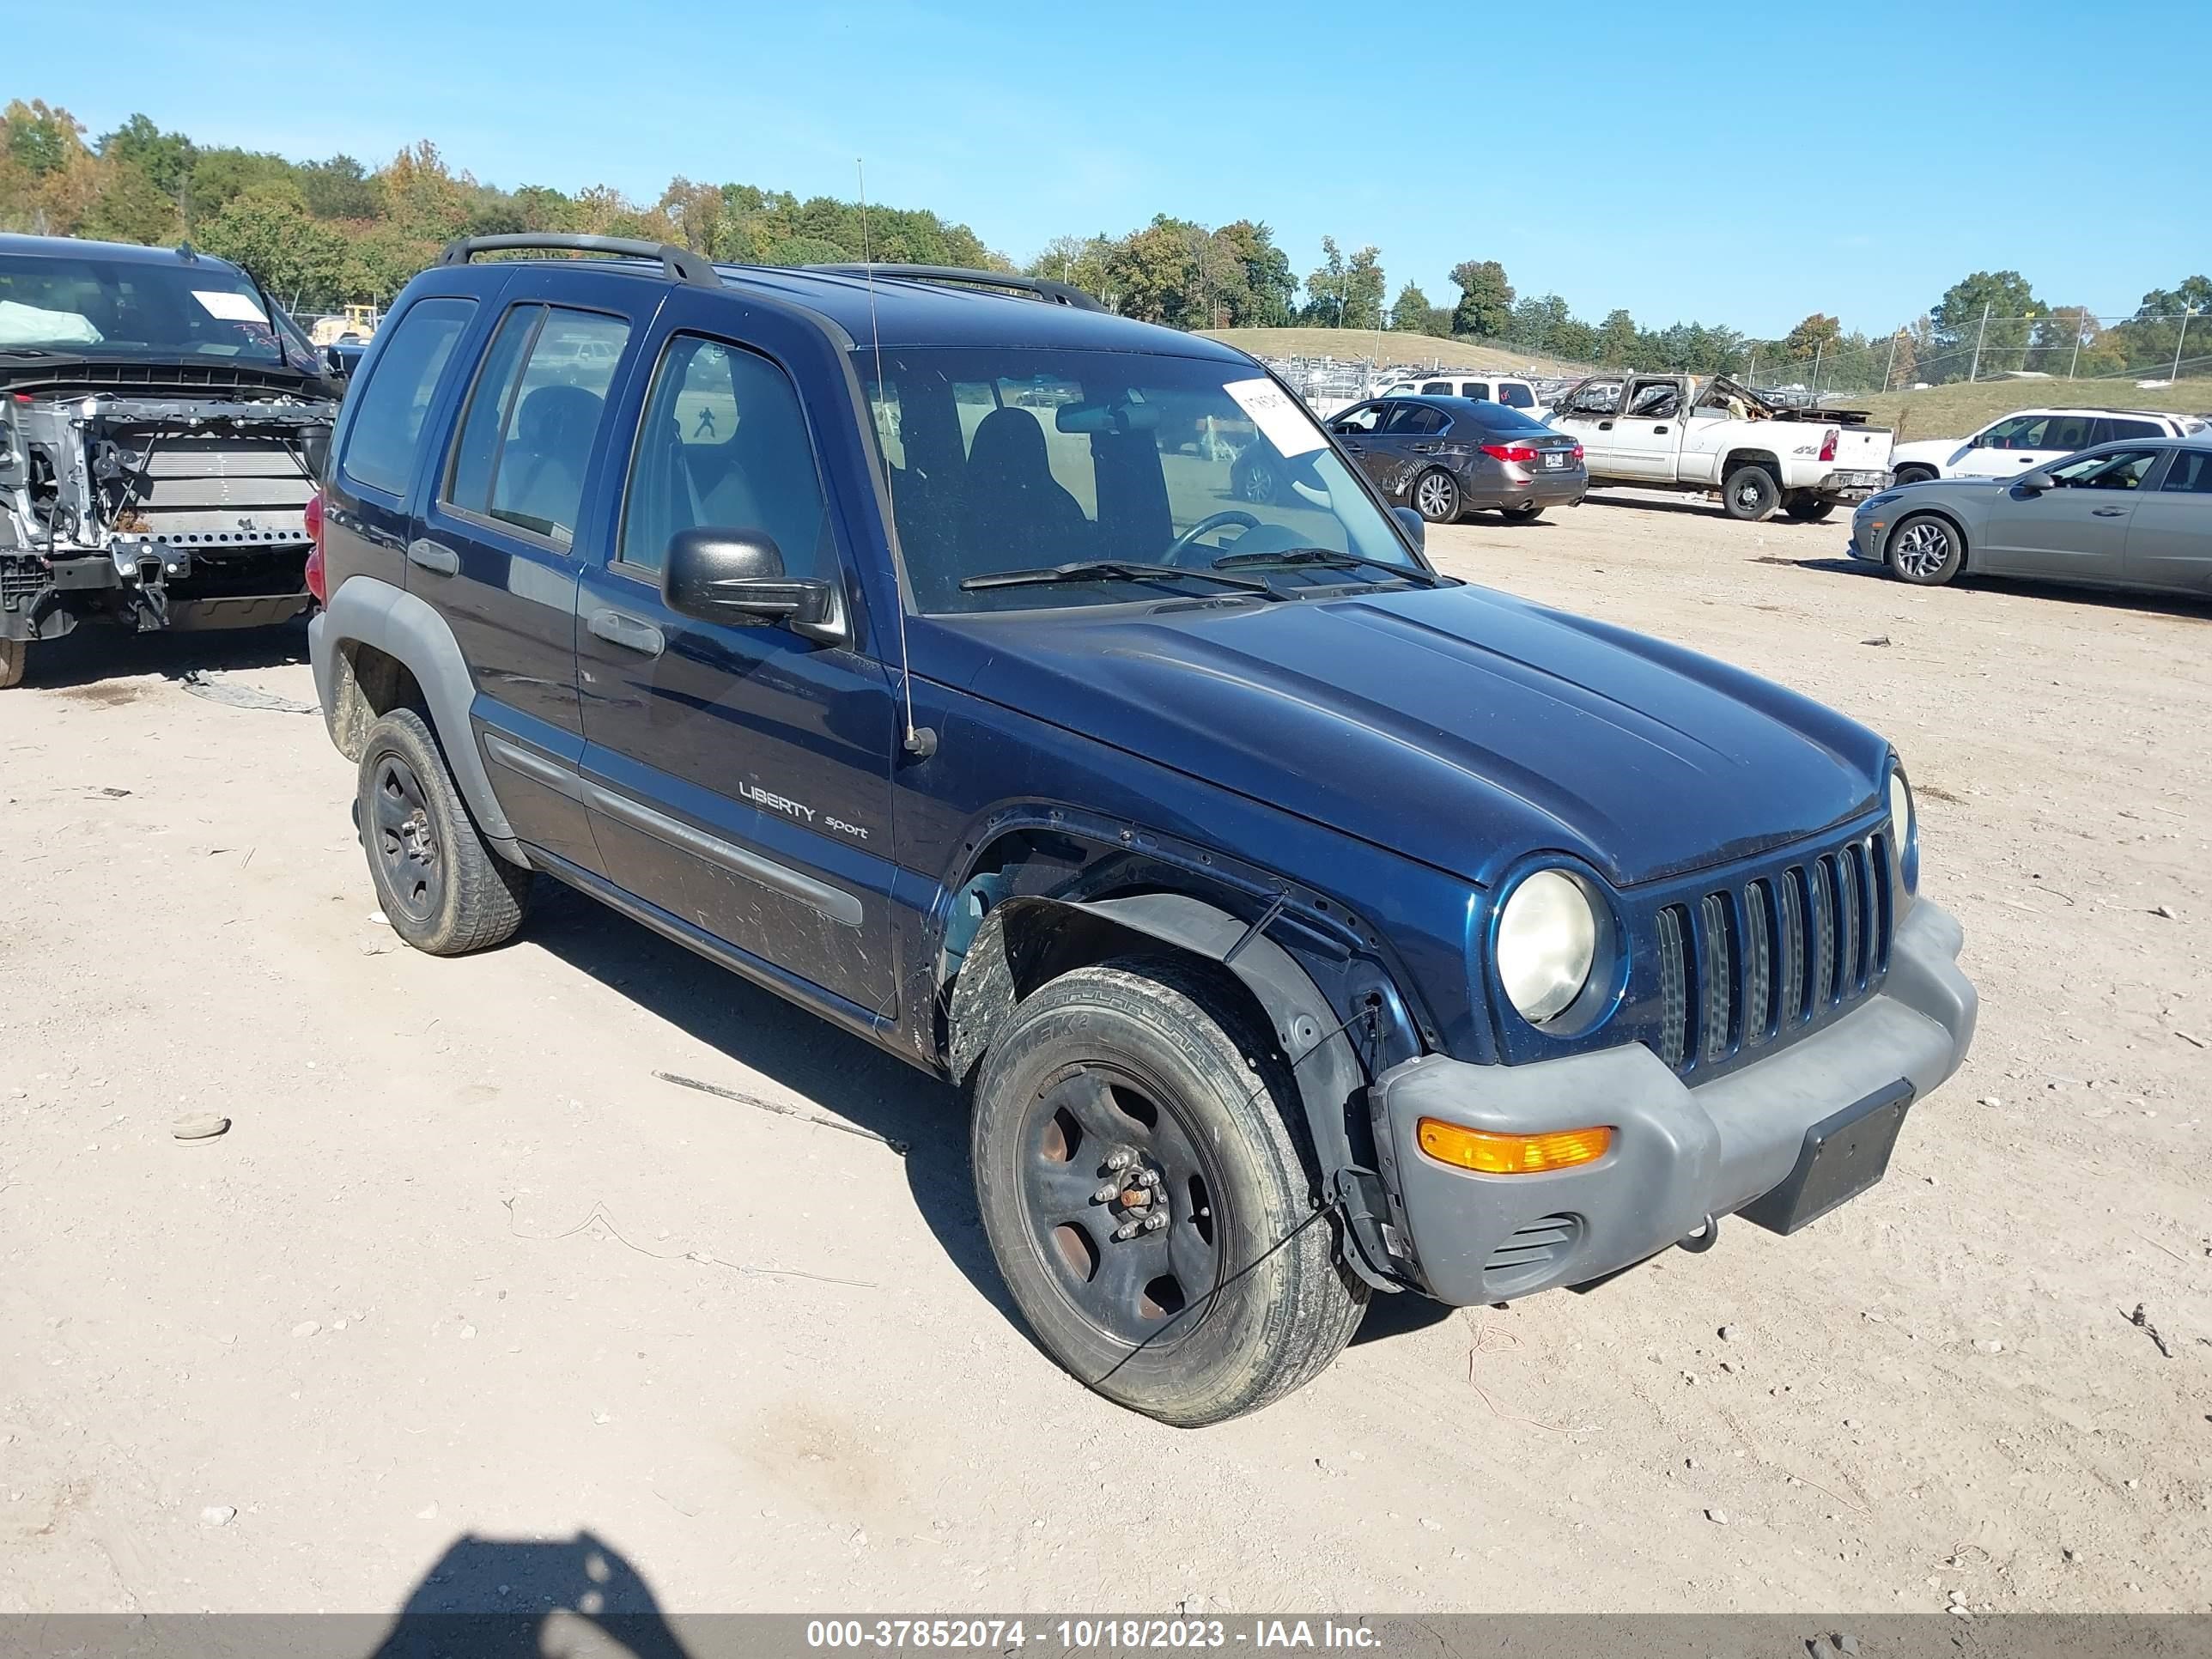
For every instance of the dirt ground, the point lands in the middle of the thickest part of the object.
(464, 1269)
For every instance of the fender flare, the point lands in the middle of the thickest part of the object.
(1331, 1081)
(366, 611)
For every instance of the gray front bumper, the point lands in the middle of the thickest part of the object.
(1679, 1154)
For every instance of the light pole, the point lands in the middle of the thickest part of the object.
(2187, 311)
(1890, 367)
(1974, 373)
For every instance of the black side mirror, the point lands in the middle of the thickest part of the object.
(2037, 481)
(736, 577)
(1415, 526)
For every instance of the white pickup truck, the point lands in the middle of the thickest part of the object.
(1716, 436)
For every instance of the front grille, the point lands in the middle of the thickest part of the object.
(1742, 967)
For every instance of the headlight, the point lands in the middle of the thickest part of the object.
(1904, 826)
(1882, 500)
(1546, 941)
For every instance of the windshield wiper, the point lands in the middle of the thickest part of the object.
(1098, 570)
(1327, 558)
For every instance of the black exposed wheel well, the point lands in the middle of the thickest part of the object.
(367, 684)
(1760, 457)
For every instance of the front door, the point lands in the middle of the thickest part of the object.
(1649, 431)
(2170, 535)
(2077, 532)
(1359, 430)
(739, 778)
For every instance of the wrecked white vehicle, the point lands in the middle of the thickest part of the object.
(162, 423)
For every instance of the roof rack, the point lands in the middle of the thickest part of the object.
(677, 265)
(1056, 293)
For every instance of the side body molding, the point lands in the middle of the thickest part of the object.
(372, 612)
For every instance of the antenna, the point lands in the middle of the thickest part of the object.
(920, 743)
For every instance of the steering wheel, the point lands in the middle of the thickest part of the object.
(1212, 521)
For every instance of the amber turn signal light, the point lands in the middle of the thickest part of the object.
(1497, 1154)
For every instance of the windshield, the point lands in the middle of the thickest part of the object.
(88, 306)
(1008, 460)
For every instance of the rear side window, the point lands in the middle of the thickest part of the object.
(533, 421)
(2191, 471)
(2072, 432)
(724, 442)
(2134, 429)
(1515, 396)
(387, 416)
(1437, 389)
(1501, 420)
(1478, 390)
(1415, 420)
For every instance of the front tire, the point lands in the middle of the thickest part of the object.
(1911, 475)
(1436, 496)
(440, 886)
(1751, 494)
(14, 654)
(1137, 1081)
(1926, 550)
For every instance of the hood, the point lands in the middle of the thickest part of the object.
(1458, 726)
(1936, 450)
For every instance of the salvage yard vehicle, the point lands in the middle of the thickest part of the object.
(1508, 389)
(2031, 438)
(1298, 923)
(1681, 431)
(162, 423)
(2137, 514)
(1445, 457)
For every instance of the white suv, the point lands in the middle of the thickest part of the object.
(2029, 439)
(1508, 389)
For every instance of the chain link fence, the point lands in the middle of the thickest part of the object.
(2151, 351)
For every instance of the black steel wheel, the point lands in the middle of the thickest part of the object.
(1149, 1199)
(1751, 493)
(442, 887)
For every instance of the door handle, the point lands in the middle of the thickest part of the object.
(434, 556)
(630, 632)
(1427, 449)
(2108, 512)
(1658, 431)
(1355, 449)
(1605, 425)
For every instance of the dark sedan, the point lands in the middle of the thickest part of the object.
(2136, 514)
(1445, 456)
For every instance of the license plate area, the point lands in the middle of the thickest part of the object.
(1555, 458)
(1842, 1155)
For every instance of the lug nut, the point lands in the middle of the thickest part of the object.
(1155, 1221)
(1120, 1161)
(1105, 1194)
(1127, 1229)
(1150, 1178)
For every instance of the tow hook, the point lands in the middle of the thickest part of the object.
(144, 570)
(1702, 1238)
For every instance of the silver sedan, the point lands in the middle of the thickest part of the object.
(2131, 514)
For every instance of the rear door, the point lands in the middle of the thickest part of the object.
(1590, 412)
(2077, 532)
(739, 778)
(2170, 534)
(502, 536)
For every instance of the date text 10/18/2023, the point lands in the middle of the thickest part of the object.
(1081, 1635)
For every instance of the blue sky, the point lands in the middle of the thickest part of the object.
(1745, 164)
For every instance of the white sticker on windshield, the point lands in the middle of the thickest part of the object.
(1282, 420)
(231, 307)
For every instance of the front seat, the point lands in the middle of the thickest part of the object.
(1016, 512)
(541, 477)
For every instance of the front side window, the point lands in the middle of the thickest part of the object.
(1597, 397)
(2124, 469)
(387, 411)
(534, 420)
(1478, 390)
(1010, 461)
(1368, 417)
(1437, 389)
(2013, 434)
(724, 442)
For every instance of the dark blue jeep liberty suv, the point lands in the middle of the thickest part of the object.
(1300, 923)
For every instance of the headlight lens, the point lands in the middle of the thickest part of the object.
(1882, 500)
(1904, 826)
(1547, 943)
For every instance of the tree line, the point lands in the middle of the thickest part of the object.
(319, 234)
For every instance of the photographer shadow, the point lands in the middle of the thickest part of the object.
(497, 1598)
